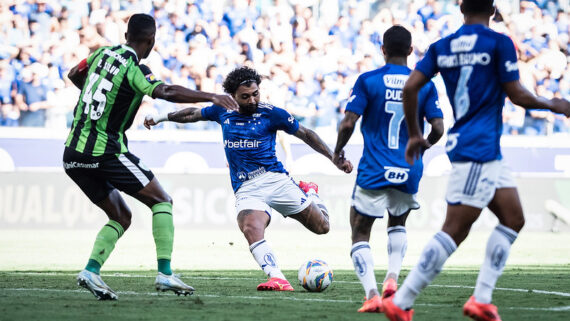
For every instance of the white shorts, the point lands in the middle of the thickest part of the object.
(374, 202)
(474, 184)
(271, 190)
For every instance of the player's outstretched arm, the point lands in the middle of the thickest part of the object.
(315, 142)
(345, 131)
(179, 94)
(187, 115)
(522, 97)
(78, 74)
(416, 142)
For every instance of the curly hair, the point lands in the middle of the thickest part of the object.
(240, 76)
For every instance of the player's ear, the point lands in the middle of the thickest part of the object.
(410, 50)
(384, 51)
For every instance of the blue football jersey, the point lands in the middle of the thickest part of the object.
(377, 97)
(249, 140)
(474, 62)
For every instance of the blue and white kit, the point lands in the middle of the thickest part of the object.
(474, 63)
(385, 180)
(255, 171)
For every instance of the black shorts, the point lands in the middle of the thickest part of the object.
(98, 176)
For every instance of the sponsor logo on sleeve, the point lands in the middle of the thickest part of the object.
(511, 66)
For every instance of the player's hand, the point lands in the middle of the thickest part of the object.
(346, 166)
(338, 157)
(226, 101)
(415, 148)
(561, 106)
(149, 121)
(342, 163)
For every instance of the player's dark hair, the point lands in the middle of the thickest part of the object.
(478, 6)
(397, 41)
(141, 26)
(240, 76)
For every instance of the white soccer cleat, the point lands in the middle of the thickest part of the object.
(95, 284)
(172, 283)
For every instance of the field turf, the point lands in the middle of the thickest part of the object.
(523, 293)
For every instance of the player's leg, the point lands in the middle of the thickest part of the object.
(397, 246)
(84, 170)
(252, 224)
(313, 218)
(362, 259)
(507, 207)
(135, 179)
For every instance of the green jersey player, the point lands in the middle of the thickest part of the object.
(96, 156)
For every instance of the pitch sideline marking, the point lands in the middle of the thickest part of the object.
(552, 309)
(125, 275)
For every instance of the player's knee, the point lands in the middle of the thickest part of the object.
(250, 229)
(323, 228)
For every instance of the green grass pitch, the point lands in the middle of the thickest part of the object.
(523, 293)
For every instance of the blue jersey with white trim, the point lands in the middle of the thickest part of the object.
(249, 140)
(377, 97)
(474, 62)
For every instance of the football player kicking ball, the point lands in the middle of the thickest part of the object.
(259, 180)
(385, 180)
(96, 154)
(479, 67)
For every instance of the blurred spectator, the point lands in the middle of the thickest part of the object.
(310, 51)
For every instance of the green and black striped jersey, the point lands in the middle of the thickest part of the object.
(112, 94)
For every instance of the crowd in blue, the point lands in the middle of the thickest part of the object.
(310, 52)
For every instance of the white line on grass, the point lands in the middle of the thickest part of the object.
(125, 275)
(249, 297)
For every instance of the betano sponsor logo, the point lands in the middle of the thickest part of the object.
(242, 143)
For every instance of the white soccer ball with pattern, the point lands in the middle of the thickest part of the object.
(315, 275)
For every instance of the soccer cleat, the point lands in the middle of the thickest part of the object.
(393, 312)
(275, 284)
(307, 186)
(480, 311)
(373, 305)
(172, 283)
(389, 288)
(95, 284)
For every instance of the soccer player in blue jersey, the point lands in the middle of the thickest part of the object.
(479, 68)
(258, 178)
(385, 181)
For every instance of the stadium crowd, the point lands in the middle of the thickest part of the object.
(310, 52)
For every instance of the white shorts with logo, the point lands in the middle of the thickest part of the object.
(271, 190)
(374, 202)
(474, 184)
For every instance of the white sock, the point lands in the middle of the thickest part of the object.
(498, 248)
(397, 245)
(264, 256)
(434, 255)
(314, 197)
(364, 266)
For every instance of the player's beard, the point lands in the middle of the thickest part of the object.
(248, 109)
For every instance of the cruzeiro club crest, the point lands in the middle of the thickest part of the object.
(428, 260)
(270, 260)
(359, 264)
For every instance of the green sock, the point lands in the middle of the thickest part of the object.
(163, 233)
(104, 245)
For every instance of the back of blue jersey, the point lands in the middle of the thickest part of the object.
(474, 62)
(377, 97)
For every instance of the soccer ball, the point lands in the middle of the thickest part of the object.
(315, 275)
